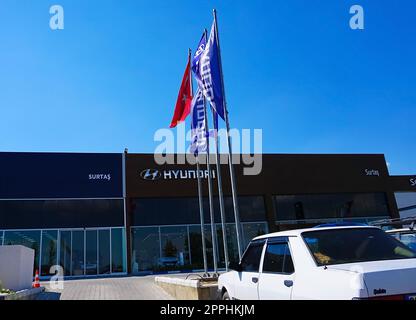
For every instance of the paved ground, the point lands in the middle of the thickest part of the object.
(129, 288)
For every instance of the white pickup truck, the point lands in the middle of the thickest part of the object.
(330, 263)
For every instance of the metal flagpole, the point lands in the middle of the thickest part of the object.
(232, 173)
(221, 196)
(201, 213)
(201, 203)
(211, 200)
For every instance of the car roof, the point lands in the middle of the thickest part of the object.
(298, 232)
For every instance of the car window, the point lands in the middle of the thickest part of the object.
(341, 246)
(288, 267)
(278, 259)
(251, 259)
(409, 239)
(395, 235)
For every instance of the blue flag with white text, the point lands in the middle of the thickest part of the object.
(197, 57)
(198, 129)
(210, 74)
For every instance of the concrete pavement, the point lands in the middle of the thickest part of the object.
(129, 288)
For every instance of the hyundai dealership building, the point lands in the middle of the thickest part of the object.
(109, 214)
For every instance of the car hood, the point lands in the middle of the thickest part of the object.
(384, 278)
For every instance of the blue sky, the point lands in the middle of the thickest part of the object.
(294, 68)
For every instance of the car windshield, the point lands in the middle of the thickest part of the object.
(341, 246)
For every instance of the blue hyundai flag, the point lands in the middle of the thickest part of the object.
(197, 57)
(198, 129)
(210, 73)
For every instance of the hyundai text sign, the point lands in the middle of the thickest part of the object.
(154, 174)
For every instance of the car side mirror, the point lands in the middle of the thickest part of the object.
(236, 266)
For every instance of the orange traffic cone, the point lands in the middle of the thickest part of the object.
(36, 284)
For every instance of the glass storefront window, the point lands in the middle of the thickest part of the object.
(79, 251)
(49, 251)
(151, 211)
(91, 252)
(63, 214)
(232, 245)
(196, 251)
(249, 231)
(77, 255)
(118, 256)
(145, 248)
(299, 208)
(1, 237)
(30, 239)
(104, 252)
(174, 248)
(253, 230)
(65, 252)
(180, 247)
(251, 208)
(406, 202)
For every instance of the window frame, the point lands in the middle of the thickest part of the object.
(280, 240)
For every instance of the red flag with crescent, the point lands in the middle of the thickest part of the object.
(183, 104)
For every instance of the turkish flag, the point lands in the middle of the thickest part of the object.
(183, 104)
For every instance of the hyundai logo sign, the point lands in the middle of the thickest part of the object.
(151, 174)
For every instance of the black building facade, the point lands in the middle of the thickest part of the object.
(105, 214)
(292, 191)
(68, 207)
(405, 193)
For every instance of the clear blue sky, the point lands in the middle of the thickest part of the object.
(292, 68)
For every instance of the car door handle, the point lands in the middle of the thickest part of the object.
(255, 280)
(288, 283)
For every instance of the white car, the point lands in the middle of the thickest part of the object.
(329, 263)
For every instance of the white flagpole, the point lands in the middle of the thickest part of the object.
(200, 198)
(232, 173)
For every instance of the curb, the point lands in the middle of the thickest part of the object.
(28, 294)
